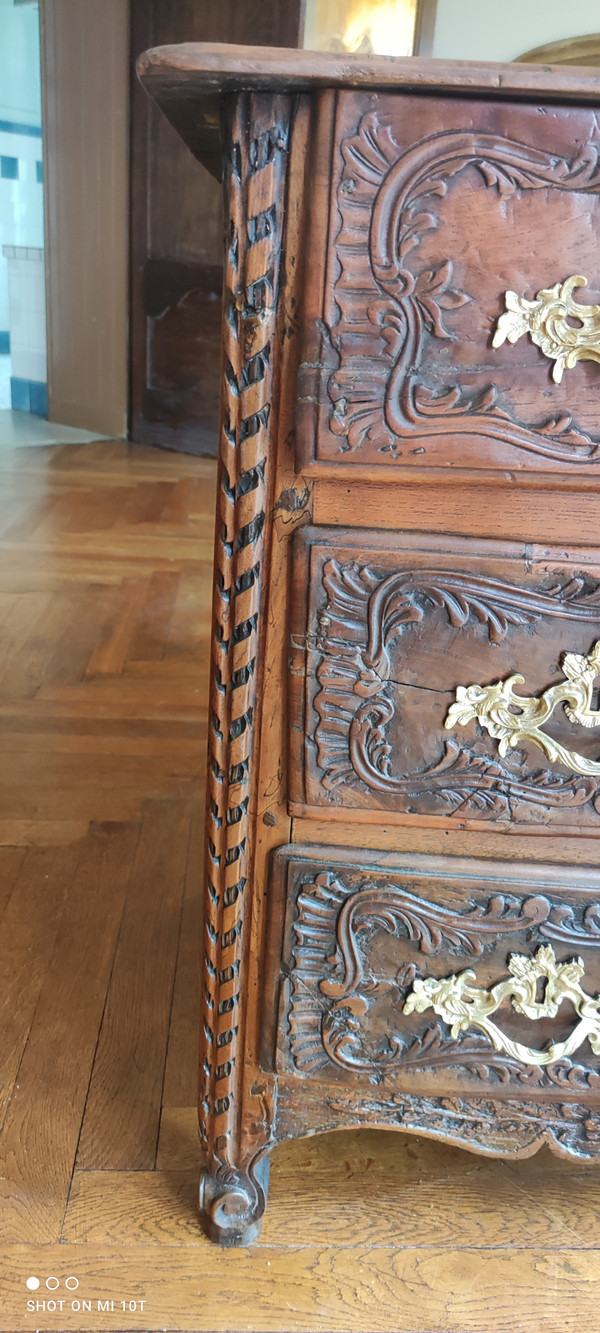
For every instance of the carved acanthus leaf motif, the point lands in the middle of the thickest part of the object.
(428, 924)
(488, 1126)
(380, 199)
(462, 780)
(363, 621)
(333, 986)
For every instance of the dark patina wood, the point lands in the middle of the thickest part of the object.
(434, 207)
(357, 933)
(385, 628)
(176, 233)
(403, 510)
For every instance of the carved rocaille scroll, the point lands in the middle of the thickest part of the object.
(396, 296)
(365, 715)
(366, 942)
(232, 1192)
(492, 1127)
(416, 302)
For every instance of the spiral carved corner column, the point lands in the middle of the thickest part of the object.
(233, 1188)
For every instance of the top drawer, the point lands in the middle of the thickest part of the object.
(424, 212)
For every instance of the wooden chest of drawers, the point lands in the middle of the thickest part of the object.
(402, 905)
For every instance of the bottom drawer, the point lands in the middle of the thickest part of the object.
(439, 974)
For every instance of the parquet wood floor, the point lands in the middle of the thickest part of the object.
(105, 569)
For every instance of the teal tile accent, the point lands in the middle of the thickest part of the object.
(9, 168)
(29, 396)
(15, 127)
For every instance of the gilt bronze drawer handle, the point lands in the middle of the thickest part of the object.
(511, 718)
(546, 321)
(459, 1002)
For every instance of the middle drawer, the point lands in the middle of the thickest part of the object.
(391, 631)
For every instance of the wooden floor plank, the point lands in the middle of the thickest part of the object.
(86, 705)
(42, 1124)
(24, 522)
(11, 860)
(30, 925)
(96, 510)
(19, 625)
(16, 834)
(26, 719)
(91, 606)
(191, 614)
(52, 521)
(23, 570)
(7, 601)
(25, 669)
(179, 1142)
(105, 689)
(343, 1202)
(288, 1289)
(113, 645)
(148, 643)
(120, 1127)
(180, 1085)
(106, 742)
(137, 545)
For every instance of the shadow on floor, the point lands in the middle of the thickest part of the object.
(19, 429)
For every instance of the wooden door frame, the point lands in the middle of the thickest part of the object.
(85, 119)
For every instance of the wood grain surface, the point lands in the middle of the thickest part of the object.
(398, 368)
(365, 1231)
(219, 67)
(356, 591)
(176, 253)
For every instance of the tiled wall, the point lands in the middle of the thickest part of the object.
(27, 322)
(21, 198)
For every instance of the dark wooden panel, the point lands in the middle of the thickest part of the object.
(367, 932)
(176, 240)
(387, 627)
(183, 322)
(427, 229)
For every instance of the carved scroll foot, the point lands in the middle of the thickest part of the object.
(232, 1203)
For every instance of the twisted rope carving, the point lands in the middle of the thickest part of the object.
(255, 181)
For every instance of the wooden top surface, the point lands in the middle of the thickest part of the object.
(200, 68)
(189, 80)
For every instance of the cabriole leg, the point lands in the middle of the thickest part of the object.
(236, 1109)
(232, 1203)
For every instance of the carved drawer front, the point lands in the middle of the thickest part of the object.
(428, 229)
(406, 689)
(445, 974)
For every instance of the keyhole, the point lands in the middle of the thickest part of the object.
(540, 989)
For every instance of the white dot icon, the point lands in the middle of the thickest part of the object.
(72, 1283)
(52, 1283)
(33, 1283)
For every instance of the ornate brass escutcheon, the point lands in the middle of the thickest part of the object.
(511, 718)
(457, 1000)
(546, 320)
